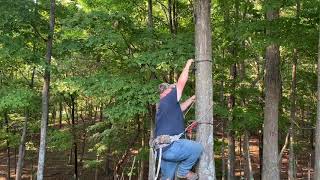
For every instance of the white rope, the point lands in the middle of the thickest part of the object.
(159, 163)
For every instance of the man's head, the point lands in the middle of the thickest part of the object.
(165, 88)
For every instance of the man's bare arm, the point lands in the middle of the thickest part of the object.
(183, 78)
(184, 106)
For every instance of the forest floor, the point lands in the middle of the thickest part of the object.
(58, 165)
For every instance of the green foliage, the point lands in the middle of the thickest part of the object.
(13, 99)
(59, 140)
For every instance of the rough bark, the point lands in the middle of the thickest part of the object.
(45, 95)
(271, 110)
(204, 103)
(317, 131)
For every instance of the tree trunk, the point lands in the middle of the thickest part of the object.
(170, 16)
(150, 19)
(231, 140)
(6, 121)
(175, 16)
(204, 103)
(22, 146)
(45, 96)
(231, 156)
(271, 111)
(152, 159)
(223, 125)
(60, 114)
(292, 117)
(246, 149)
(75, 150)
(317, 133)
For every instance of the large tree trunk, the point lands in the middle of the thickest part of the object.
(317, 134)
(60, 113)
(271, 111)
(45, 96)
(204, 103)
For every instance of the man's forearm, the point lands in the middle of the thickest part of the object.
(185, 73)
(184, 106)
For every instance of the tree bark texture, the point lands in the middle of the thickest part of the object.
(317, 134)
(271, 110)
(204, 103)
(45, 95)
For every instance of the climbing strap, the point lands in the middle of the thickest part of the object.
(159, 143)
(164, 141)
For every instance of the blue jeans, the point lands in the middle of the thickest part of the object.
(181, 156)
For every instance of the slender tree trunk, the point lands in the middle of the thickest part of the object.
(246, 149)
(170, 16)
(175, 16)
(54, 114)
(22, 146)
(271, 111)
(96, 173)
(291, 173)
(317, 131)
(60, 114)
(231, 156)
(152, 159)
(231, 140)
(223, 146)
(150, 19)
(6, 121)
(75, 151)
(204, 103)
(45, 96)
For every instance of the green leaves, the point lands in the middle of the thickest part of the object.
(12, 99)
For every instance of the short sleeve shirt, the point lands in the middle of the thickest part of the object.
(169, 117)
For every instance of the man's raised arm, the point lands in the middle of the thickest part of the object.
(183, 78)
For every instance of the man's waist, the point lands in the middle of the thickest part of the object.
(162, 141)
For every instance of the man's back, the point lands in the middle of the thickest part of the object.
(169, 118)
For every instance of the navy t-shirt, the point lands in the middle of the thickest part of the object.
(169, 118)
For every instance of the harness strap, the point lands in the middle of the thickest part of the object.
(159, 163)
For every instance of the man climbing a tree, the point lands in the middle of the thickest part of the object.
(177, 154)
